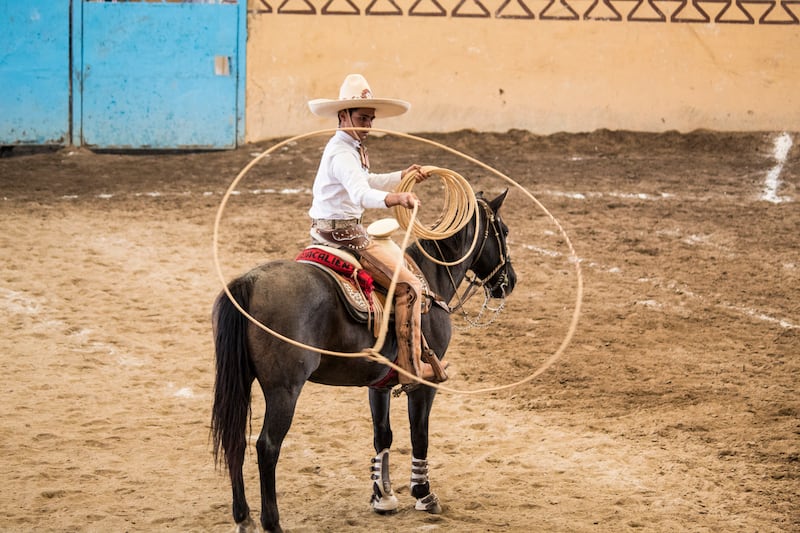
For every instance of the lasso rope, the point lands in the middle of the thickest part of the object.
(459, 208)
(459, 204)
(374, 352)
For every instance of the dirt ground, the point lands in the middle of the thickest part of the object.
(674, 408)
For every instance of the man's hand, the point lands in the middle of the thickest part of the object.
(421, 176)
(404, 199)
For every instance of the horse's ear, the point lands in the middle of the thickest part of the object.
(497, 202)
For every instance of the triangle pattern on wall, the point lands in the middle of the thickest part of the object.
(340, 7)
(383, 8)
(427, 8)
(297, 7)
(746, 12)
(471, 8)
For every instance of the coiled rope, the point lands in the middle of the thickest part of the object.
(374, 352)
(459, 204)
(459, 207)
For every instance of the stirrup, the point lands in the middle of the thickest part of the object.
(408, 387)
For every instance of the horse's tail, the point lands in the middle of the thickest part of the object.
(234, 376)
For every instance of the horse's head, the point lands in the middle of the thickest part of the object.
(492, 264)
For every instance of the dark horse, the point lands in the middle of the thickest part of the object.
(299, 301)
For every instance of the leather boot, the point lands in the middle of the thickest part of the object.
(408, 336)
(407, 311)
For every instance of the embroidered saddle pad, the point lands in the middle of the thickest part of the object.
(355, 285)
(362, 298)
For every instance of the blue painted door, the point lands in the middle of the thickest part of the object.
(34, 72)
(159, 75)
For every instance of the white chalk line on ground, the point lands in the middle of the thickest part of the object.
(676, 288)
(619, 195)
(570, 195)
(783, 143)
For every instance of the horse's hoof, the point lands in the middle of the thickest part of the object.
(246, 526)
(429, 504)
(384, 504)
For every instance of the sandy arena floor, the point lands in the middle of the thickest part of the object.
(675, 407)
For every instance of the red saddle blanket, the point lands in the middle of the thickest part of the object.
(340, 266)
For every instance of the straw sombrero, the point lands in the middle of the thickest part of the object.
(355, 93)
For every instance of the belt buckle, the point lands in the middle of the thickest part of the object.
(342, 223)
(336, 223)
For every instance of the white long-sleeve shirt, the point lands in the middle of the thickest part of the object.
(343, 188)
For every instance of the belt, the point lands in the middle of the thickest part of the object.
(338, 223)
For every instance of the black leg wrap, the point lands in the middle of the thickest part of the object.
(420, 491)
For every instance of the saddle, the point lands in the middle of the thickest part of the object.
(354, 284)
(362, 296)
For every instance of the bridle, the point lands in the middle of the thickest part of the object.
(475, 281)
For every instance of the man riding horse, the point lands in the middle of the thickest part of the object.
(301, 302)
(343, 188)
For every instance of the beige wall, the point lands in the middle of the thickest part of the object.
(546, 76)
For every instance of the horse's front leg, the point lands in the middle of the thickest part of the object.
(383, 500)
(420, 402)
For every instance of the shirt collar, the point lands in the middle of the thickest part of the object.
(344, 136)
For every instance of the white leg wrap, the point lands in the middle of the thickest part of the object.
(419, 476)
(383, 498)
(419, 471)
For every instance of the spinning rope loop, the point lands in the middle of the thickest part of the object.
(453, 216)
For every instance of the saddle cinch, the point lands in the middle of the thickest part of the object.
(363, 298)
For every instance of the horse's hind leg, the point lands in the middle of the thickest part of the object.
(420, 402)
(281, 402)
(241, 511)
(383, 499)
